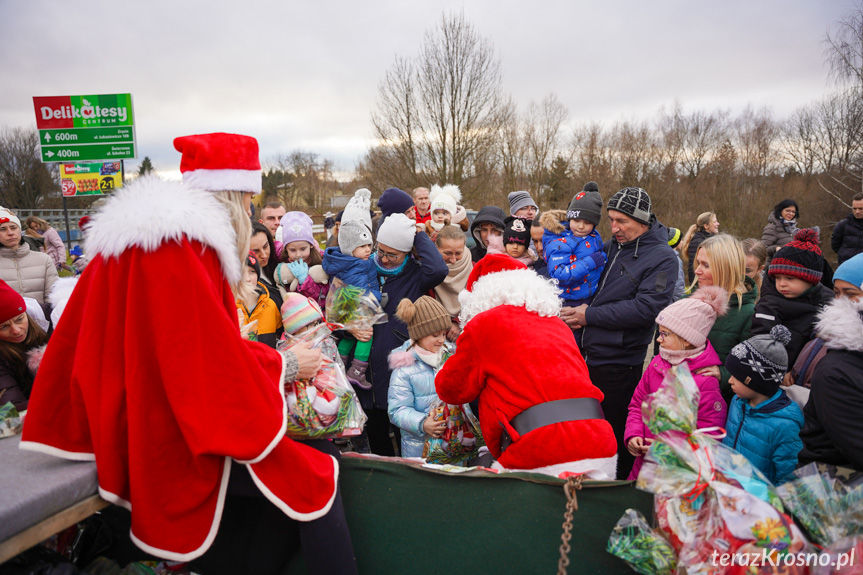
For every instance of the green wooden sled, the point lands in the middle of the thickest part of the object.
(407, 519)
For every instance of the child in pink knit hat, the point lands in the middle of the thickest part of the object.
(683, 329)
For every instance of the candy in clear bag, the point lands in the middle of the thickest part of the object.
(641, 547)
(460, 440)
(351, 307)
(325, 406)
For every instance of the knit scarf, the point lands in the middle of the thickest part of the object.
(428, 357)
(386, 273)
(454, 283)
(437, 226)
(676, 357)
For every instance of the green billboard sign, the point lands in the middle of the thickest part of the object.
(84, 128)
(88, 152)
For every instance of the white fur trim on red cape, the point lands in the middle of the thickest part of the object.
(224, 180)
(286, 509)
(523, 288)
(150, 212)
(603, 468)
(840, 326)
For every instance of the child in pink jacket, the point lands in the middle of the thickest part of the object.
(683, 329)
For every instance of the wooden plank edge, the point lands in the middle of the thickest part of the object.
(47, 527)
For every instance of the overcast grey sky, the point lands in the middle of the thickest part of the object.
(305, 75)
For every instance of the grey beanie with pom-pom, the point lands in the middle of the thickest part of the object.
(761, 361)
(423, 317)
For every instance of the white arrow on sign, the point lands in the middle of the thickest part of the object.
(47, 137)
(49, 153)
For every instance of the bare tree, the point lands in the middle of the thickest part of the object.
(439, 115)
(396, 123)
(756, 134)
(542, 124)
(844, 48)
(25, 181)
(844, 53)
(512, 153)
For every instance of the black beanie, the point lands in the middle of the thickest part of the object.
(516, 231)
(633, 202)
(586, 205)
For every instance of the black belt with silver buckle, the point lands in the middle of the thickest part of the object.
(550, 412)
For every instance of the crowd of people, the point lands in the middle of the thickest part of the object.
(543, 326)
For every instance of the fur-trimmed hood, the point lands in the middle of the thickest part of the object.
(552, 221)
(522, 288)
(840, 324)
(150, 212)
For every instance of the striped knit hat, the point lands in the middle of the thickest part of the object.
(800, 258)
(423, 317)
(298, 311)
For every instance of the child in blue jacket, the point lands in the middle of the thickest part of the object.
(763, 423)
(412, 391)
(573, 248)
(352, 264)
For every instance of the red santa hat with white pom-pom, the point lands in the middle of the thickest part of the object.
(498, 279)
(220, 162)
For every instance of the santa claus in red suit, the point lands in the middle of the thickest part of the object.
(147, 375)
(537, 407)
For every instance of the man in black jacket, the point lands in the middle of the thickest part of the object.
(847, 239)
(617, 327)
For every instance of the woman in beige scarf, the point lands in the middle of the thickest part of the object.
(450, 243)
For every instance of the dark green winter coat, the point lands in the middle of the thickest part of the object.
(731, 329)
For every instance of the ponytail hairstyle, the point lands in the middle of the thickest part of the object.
(756, 248)
(700, 223)
(727, 264)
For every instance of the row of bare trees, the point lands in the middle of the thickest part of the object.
(442, 117)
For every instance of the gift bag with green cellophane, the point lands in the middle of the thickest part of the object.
(350, 307)
(325, 406)
(828, 502)
(734, 509)
(643, 548)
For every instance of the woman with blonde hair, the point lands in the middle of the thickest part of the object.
(146, 395)
(720, 261)
(706, 226)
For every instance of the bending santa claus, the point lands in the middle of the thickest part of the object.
(538, 409)
(147, 375)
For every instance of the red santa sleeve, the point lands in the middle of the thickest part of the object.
(461, 379)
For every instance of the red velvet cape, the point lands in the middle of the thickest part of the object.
(146, 374)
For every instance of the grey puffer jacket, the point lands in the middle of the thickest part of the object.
(31, 274)
(777, 233)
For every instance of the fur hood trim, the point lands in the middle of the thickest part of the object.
(399, 358)
(840, 324)
(59, 296)
(522, 288)
(34, 358)
(61, 291)
(551, 221)
(150, 212)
